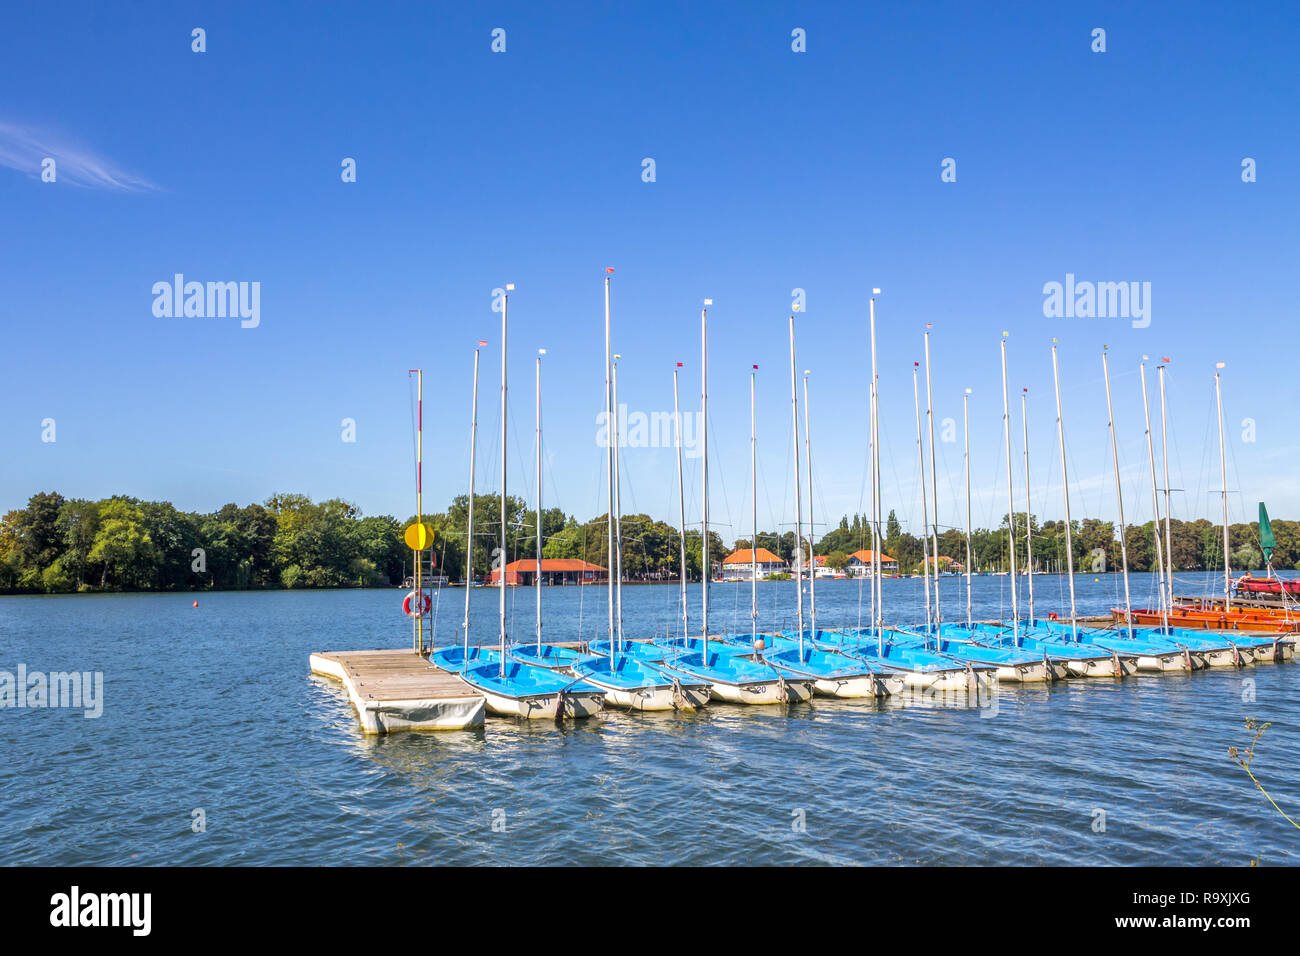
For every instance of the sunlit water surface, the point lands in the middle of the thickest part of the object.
(213, 708)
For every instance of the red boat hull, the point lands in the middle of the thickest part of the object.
(1268, 586)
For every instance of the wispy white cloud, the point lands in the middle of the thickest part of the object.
(23, 149)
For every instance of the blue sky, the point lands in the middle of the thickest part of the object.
(775, 170)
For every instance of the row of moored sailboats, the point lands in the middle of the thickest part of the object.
(536, 679)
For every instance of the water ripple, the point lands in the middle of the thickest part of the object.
(212, 709)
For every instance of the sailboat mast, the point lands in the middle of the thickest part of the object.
(704, 473)
(609, 477)
(419, 509)
(925, 517)
(469, 524)
(871, 473)
(1155, 495)
(537, 582)
(812, 558)
(1223, 478)
(1029, 514)
(965, 425)
(877, 592)
(934, 484)
(1065, 485)
(681, 504)
(1011, 504)
(753, 497)
(504, 555)
(1119, 491)
(618, 513)
(1164, 455)
(798, 498)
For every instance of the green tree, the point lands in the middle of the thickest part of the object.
(122, 546)
(39, 541)
(77, 522)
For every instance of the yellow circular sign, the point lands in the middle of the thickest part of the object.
(418, 536)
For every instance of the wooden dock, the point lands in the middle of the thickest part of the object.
(399, 690)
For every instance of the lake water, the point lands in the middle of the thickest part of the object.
(213, 709)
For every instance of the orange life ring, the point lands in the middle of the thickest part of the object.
(425, 604)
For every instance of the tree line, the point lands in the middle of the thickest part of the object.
(1194, 545)
(58, 544)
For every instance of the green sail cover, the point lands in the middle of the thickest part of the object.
(1266, 540)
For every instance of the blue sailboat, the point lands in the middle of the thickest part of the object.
(919, 668)
(1153, 654)
(1148, 655)
(796, 653)
(629, 679)
(834, 673)
(1218, 650)
(636, 685)
(739, 680)
(1077, 660)
(456, 658)
(730, 677)
(1015, 664)
(666, 648)
(550, 656)
(512, 687)
(876, 644)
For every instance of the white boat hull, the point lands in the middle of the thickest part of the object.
(1228, 657)
(779, 691)
(1035, 673)
(850, 688)
(570, 704)
(890, 684)
(1103, 667)
(1272, 653)
(1163, 663)
(969, 681)
(654, 698)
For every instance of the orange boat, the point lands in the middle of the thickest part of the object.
(1257, 605)
(1251, 620)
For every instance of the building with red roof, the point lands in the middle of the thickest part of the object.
(740, 564)
(860, 563)
(554, 571)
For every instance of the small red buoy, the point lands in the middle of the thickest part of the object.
(760, 645)
(196, 604)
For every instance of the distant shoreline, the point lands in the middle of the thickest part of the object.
(95, 592)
